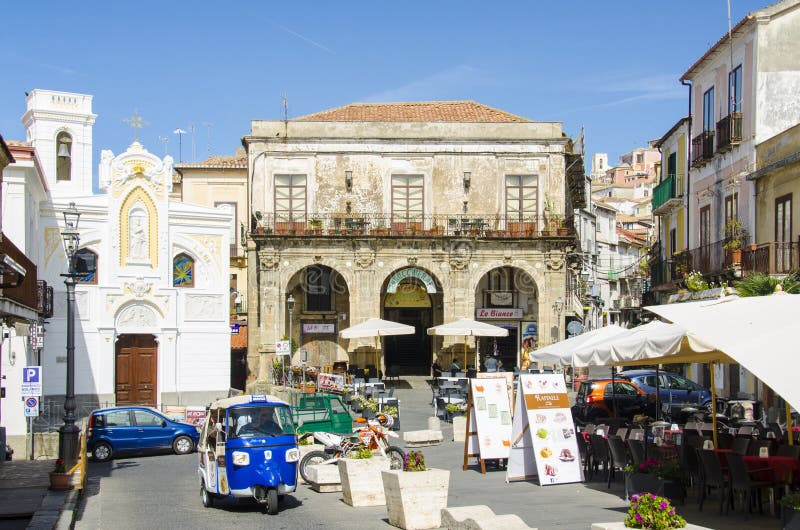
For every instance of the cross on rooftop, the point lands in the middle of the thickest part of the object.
(137, 123)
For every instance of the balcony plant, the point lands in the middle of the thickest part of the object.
(416, 494)
(735, 235)
(314, 226)
(696, 282)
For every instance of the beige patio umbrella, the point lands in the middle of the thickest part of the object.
(467, 327)
(376, 327)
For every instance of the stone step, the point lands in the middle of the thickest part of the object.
(422, 438)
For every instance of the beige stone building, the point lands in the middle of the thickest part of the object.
(421, 213)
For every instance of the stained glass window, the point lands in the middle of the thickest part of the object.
(85, 263)
(182, 271)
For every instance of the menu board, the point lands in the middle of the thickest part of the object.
(490, 419)
(550, 429)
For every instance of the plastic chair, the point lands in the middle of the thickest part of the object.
(712, 477)
(740, 445)
(742, 483)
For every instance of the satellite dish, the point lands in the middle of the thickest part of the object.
(574, 328)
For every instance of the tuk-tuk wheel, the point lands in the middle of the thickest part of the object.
(208, 500)
(272, 501)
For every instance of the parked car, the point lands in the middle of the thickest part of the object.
(673, 388)
(137, 429)
(595, 400)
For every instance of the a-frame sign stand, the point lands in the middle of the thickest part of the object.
(472, 431)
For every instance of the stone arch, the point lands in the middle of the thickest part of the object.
(136, 195)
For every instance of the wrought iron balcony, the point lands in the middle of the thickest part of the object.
(379, 225)
(44, 299)
(771, 258)
(729, 131)
(702, 148)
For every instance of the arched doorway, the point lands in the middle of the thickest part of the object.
(508, 297)
(411, 296)
(136, 362)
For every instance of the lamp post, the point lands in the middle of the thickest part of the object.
(68, 433)
(558, 306)
(290, 307)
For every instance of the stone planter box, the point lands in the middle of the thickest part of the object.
(414, 500)
(459, 428)
(361, 480)
(324, 478)
(641, 482)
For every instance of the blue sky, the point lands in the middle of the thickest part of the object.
(611, 67)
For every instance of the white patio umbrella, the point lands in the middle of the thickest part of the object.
(758, 332)
(561, 352)
(467, 327)
(376, 327)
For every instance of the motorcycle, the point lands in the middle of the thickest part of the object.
(374, 436)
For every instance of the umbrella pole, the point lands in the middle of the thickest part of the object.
(377, 356)
(464, 367)
(658, 390)
(789, 423)
(713, 404)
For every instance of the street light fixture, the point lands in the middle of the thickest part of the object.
(290, 307)
(558, 306)
(68, 433)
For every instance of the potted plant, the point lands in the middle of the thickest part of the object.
(652, 512)
(416, 494)
(455, 409)
(370, 407)
(790, 511)
(380, 230)
(654, 476)
(735, 236)
(314, 226)
(59, 478)
(696, 282)
(361, 477)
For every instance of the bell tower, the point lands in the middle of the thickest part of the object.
(59, 126)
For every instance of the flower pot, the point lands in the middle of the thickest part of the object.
(361, 480)
(60, 481)
(641, 483)
(414, 500)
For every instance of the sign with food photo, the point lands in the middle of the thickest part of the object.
(552, 428)
(490, 419)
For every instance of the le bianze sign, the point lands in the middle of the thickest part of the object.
(512, 313)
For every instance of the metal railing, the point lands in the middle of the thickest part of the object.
(702, 147)
(729, 131)
(664, 192)
(771, 258)
(437, 225)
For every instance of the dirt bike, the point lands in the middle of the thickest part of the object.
(374, 436)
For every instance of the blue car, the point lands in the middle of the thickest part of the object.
(137, 429)
(673, 388)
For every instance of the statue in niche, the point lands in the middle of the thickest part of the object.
(138, 235)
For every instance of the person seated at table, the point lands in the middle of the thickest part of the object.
(492, 363)
(437, 368)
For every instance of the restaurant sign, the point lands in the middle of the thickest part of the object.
(487, 313)
(319, 328)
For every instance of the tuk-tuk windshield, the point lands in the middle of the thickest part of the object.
(258, 421)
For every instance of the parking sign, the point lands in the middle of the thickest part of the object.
(31, 406)
(32, 381)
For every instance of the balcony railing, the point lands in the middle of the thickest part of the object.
(702, 148)
(25, 292)
(368, 224)
(664, 192)
(44, 299)
(729, 131)
(771, 258)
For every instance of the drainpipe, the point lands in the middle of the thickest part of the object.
(688, 160)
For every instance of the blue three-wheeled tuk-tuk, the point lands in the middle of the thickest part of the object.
(248, 449)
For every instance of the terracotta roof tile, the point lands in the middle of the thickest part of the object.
(239, 160)
(416, 111)
(17, 143)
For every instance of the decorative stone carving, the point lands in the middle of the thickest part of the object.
(365, 257)
(460, 255)
(138, 288)
(137, 316)
(554, 260)
(412, 260)
(317, 259)
(202, 307)
(269, 258)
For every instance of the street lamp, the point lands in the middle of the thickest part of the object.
(68, 433)
(290, 307)
(558, 306)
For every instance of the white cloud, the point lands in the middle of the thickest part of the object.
(441, 85)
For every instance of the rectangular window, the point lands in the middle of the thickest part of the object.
(731, 207)
(521, 196)
(783, 233)
(672, 165)
(408, 200)
(290, 200)
(705, 226)
(708, 110)
(318, 289)
(673, 244)
(735, 90)
(231, 206)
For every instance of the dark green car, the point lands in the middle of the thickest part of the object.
(321, 413)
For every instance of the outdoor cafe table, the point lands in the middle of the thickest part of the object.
(365, 386)
(440, 380)
(782, 469)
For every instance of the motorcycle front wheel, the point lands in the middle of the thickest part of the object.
(312, 458)
(396, 457)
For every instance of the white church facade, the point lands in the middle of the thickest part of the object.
(152, 321)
